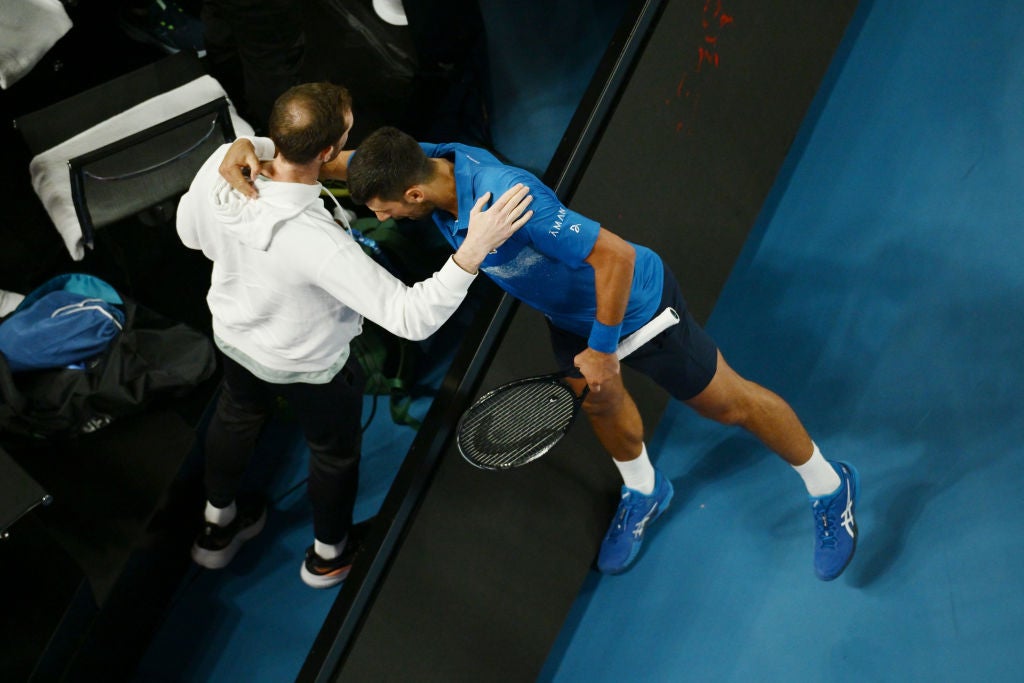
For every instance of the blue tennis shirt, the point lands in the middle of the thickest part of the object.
(543, 264)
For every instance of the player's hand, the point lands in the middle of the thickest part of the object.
(489, 229)
(241, 154)
(597, 368)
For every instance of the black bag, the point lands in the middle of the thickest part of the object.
(152, 357)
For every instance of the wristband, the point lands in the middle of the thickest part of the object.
(604, 338)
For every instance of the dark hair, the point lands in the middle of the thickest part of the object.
(307, 119)
(385, 165)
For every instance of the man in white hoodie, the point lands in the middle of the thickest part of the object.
(289, 290)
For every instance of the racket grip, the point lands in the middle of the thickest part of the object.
(652, 329)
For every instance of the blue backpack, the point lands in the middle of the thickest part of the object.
(66, 322)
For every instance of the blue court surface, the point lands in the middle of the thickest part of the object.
(881, 296)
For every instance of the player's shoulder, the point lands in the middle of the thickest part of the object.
(504, 175)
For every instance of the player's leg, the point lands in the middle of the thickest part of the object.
(832, 486)
(646, 492)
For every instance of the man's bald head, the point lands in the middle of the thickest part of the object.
(308, 118)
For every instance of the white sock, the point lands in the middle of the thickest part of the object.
(638, 473)
(328, 551)
(818, 475)
(220, 516)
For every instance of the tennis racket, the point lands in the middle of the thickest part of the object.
(518, 422)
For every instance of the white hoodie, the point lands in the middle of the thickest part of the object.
(290, 286)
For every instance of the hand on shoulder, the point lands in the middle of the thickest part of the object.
(489, 229)
(241, 155)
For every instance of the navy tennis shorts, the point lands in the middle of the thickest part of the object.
(682, 360)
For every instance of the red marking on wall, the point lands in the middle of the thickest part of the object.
(705, 56)
(682, 83)
(714, 19)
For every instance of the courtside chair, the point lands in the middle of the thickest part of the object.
(126, 146)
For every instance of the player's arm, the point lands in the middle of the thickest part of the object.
(243, 154)
(612, 259)
(337, 168)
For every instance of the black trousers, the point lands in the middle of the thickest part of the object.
(330, 417)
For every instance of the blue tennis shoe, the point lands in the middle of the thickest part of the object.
(834, 525)
(626, 534)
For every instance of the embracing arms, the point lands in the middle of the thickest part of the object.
(243, 155)
(488, 229)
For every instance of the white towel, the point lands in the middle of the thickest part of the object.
(28, 29)
(50, 168)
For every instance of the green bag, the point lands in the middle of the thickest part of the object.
(389, 363)
(411, 252)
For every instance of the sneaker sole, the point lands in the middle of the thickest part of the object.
(325, 581)
(855, 485)
(218, 559)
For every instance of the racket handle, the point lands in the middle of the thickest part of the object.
(652, 329)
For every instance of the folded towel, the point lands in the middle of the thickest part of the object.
(28, 29)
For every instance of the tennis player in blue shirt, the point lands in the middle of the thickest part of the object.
(594, 288)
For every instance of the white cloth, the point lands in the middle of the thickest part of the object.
(9, 301)
(49, 169)
(28, 29)
(289, 286)
(391, 11)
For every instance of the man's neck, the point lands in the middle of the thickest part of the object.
(286, 172)
(442, 190)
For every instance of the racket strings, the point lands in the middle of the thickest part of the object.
(517, 424)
